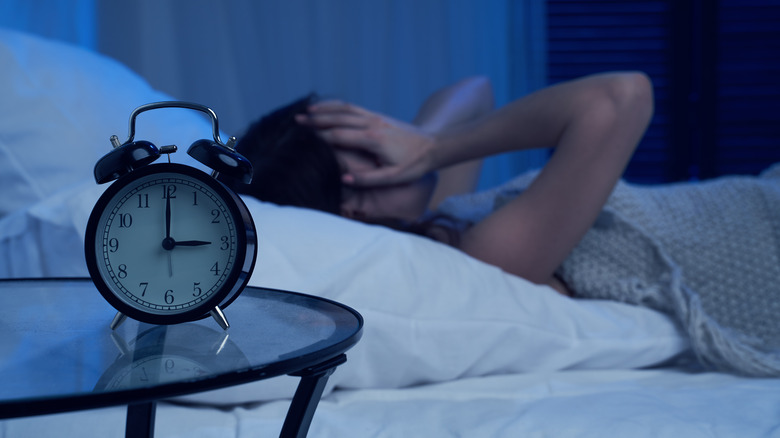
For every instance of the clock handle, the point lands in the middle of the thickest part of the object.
(218, 316)
(174, 104)
(216, 154)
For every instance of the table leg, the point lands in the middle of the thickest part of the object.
(307, 397)
(140, 420)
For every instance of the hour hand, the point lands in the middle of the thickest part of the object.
(192, 243)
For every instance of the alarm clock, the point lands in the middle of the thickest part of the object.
(168, 243)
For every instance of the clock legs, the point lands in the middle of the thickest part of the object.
(215, 313)
(119, 318)
(218, 316)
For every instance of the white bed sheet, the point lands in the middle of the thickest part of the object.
(594, 403)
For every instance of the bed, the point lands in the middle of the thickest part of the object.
(451, 346)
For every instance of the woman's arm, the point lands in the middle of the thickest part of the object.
(464, 101)
(594, 123)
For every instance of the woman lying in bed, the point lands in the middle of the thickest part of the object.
(385, 171)
(705, 253)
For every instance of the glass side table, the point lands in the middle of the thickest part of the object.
(58, 354)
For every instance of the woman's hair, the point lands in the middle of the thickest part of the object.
(292, 164)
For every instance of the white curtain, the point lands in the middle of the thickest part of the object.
(245, 57)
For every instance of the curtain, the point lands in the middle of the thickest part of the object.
(246, 57)
(72, 21)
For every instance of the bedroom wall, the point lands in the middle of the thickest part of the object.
(245, 57)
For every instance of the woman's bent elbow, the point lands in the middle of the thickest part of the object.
(633, 92)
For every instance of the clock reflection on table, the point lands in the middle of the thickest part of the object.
(166, 354)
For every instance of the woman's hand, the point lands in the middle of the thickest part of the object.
(403, 152)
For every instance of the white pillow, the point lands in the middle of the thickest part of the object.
(60, 104)
(435, 314)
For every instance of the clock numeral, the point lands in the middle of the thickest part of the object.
(143, 200)
(169, 296)
(225, 243)
(194, 197)
(196, 290)
(143, 287)
(169, 365)
(215, 269)
(122, 271)
(169, 191)
(216, 215)
(113, 244)
(125, 220)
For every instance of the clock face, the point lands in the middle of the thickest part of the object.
(166, 240)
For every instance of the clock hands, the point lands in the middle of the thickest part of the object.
(169, 242)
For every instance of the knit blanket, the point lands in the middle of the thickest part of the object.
(707, 253)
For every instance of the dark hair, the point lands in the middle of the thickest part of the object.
(292, 164)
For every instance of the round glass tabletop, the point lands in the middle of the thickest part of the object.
(57, 352)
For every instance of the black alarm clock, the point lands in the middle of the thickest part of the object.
(168, 243)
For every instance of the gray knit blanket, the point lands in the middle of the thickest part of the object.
(707, 253)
